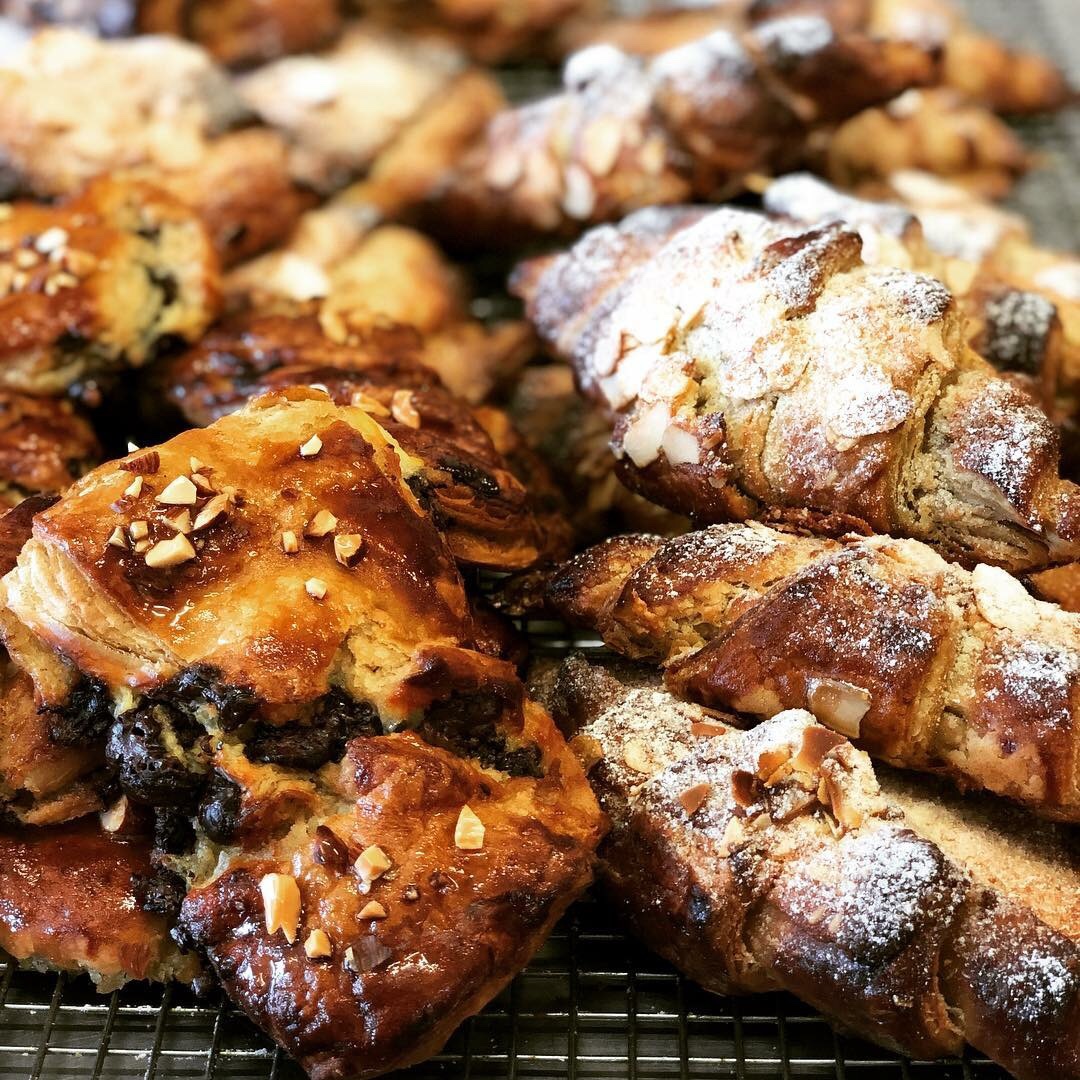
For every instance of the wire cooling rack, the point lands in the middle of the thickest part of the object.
(592, 1004)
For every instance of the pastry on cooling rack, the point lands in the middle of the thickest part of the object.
(73, 900)
(95, 283)
(381, 290)
(775, 859)
(936, 130)
(692, 122)
(154, 108)
(919, 661)
(749, 366)
(374, 826)
(495, 509)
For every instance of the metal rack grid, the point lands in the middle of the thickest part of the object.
(592, 1003)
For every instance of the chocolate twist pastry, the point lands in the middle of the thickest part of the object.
(747, 365)
(776, 859)
(919, 661)
(690, 123)
(342, 772)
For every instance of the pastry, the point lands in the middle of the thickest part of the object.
(151, 108)
(918, 661)
(378, 291)
(71, 899)
(748, 366)
(492, 513)
(340, 775)
(96, 282)
(689, 123)
(340, 108)
(774, 859)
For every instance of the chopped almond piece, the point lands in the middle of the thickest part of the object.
(702, 730)
(145, 464)
(469, 831)
(138, 530)
(202, 483)
(171, 552)
(181, 522)
(318, 945)
(315, 588)
(211, 512)
(113, 818)
(281, 904)
(322, 524)
(693, 798)
(371, 863)
(134, 489)
(403, 410)
(195, 464)
(347, 547)
(372, 910)
(312, 447)
(289, 543)
(117, 539)
(181, 492)
(636, 756)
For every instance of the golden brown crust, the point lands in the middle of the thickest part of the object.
(772, 859)
(240, 32)
(748, 365)
(473, 916)
(920, 661)
(69, 902)
(690, 123)
(97, 281)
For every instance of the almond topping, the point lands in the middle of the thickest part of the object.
(281, 904)
(138, 530)
(636, 756)
(373, 910)
(181, 492)
(702, 730)
(403, 410)
(51, 239)
(315, 588)
(202, 483)
(134, 489)
(694, 797)
(289, 544)
(371, 863)
(211, 512)
(132, 447)
(194, 464)
(318, 945)
(839, 705)
(142, 546)
(180, 522)
(347, 548)
(146, 464)
(369, 404)
(322, 524)
(469, 830)
(117, 539)
(172, 552)
(312, 447)
(113, 818)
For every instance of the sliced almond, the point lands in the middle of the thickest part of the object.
(369, 404)
(170, 552)
(469, 830)
(289, 543)
(700, 729)
(693, 798)
(180, 522)
(322, 524)
(315, 588)
(134, 489)
(317, 944)
(403, 410)
(839, 705)
(202, 483)
(180, 492)
(113, 818)
(281, 904)
(1002, 600)
(211, 512)
(117, 539)
(371, 864)
(194, 464)
(139, 530)
(312, 447)
(636, 756)
(347, 548)
(372, 910)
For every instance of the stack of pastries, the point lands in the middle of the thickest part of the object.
(276, 482)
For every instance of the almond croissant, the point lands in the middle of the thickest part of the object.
(691, 122)
(749, 365)
(919, 661)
